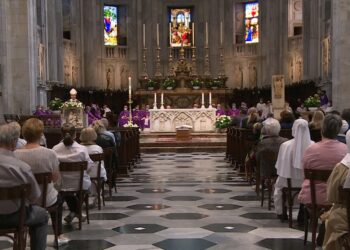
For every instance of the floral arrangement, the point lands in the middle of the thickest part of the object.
(223, 121)
(70, 104)
(150, 84)
(312, 101)
(55, 104)
(216, 83)
(130, 125)
(196, 83)
(169, 83)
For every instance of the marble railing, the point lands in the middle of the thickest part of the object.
(246, 49)
(119, 52)
(295, 43)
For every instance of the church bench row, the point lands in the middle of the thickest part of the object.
(241, 140)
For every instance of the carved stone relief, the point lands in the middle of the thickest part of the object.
(168, 119)
(326, 57)
(109, 77)
(253, 75)
(124, 74)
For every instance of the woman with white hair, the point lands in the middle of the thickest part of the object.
(289, 161)
(271, 142)
(336, 217)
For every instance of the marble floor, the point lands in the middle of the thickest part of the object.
(182, 202)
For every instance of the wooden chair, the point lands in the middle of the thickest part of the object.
(267, 180)
(20, 193)
(314, 210)
(44, 179)
(345, 197)
(98, 181)
(11, 118)
(288, 194)
(111, 171)
(82, 195)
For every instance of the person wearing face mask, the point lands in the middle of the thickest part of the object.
(234, 111)
(123, 117)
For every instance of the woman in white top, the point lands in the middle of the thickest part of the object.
(289, 161)
(42, 160)
(88, 137)
(70, 151)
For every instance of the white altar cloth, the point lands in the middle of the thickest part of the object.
(166, 120)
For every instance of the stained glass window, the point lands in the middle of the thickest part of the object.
(180, 27)
(110, 17)
(252, 22)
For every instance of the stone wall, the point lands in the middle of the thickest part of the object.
(34, 55)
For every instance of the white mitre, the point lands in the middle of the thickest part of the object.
(73, 92)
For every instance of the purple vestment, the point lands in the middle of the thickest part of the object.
(220, 112)
(123, 118)
(233, 112)
(137, 117)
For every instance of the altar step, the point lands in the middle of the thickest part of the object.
(166, 142)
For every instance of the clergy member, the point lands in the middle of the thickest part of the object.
(146, 123)
(73, 95)
(219, 110)
(233, 111)
(123, 117)
(137, 116)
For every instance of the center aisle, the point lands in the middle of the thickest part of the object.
(184, 202)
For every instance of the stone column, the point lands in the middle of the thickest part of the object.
(18, 56)
(54, 38)
(273, 38)
(312, 39)
(340, 54)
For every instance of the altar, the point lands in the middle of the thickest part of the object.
(166, 120)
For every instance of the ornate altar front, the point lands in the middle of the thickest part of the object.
(75, 116)
(166, 120)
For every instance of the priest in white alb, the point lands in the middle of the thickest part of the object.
(289, 161)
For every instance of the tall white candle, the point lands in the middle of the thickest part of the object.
(162, 98)
(170, 33)
(129, 86)
(193, 34)
(155, 97)
(202, 98)
(221, 33)
(144, 35)
(157, 34)
(206, 34)
(210, 98)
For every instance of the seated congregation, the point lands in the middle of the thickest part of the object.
(74, 171)
(298, 161)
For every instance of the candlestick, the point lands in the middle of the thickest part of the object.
(144, 35)
(221, 33)
(170, 34)
(210, 106)
(157, 34)
(155, 101)
(203, 100)
(206, 34)
(193, 34)
(129, 87)
(162, 101)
